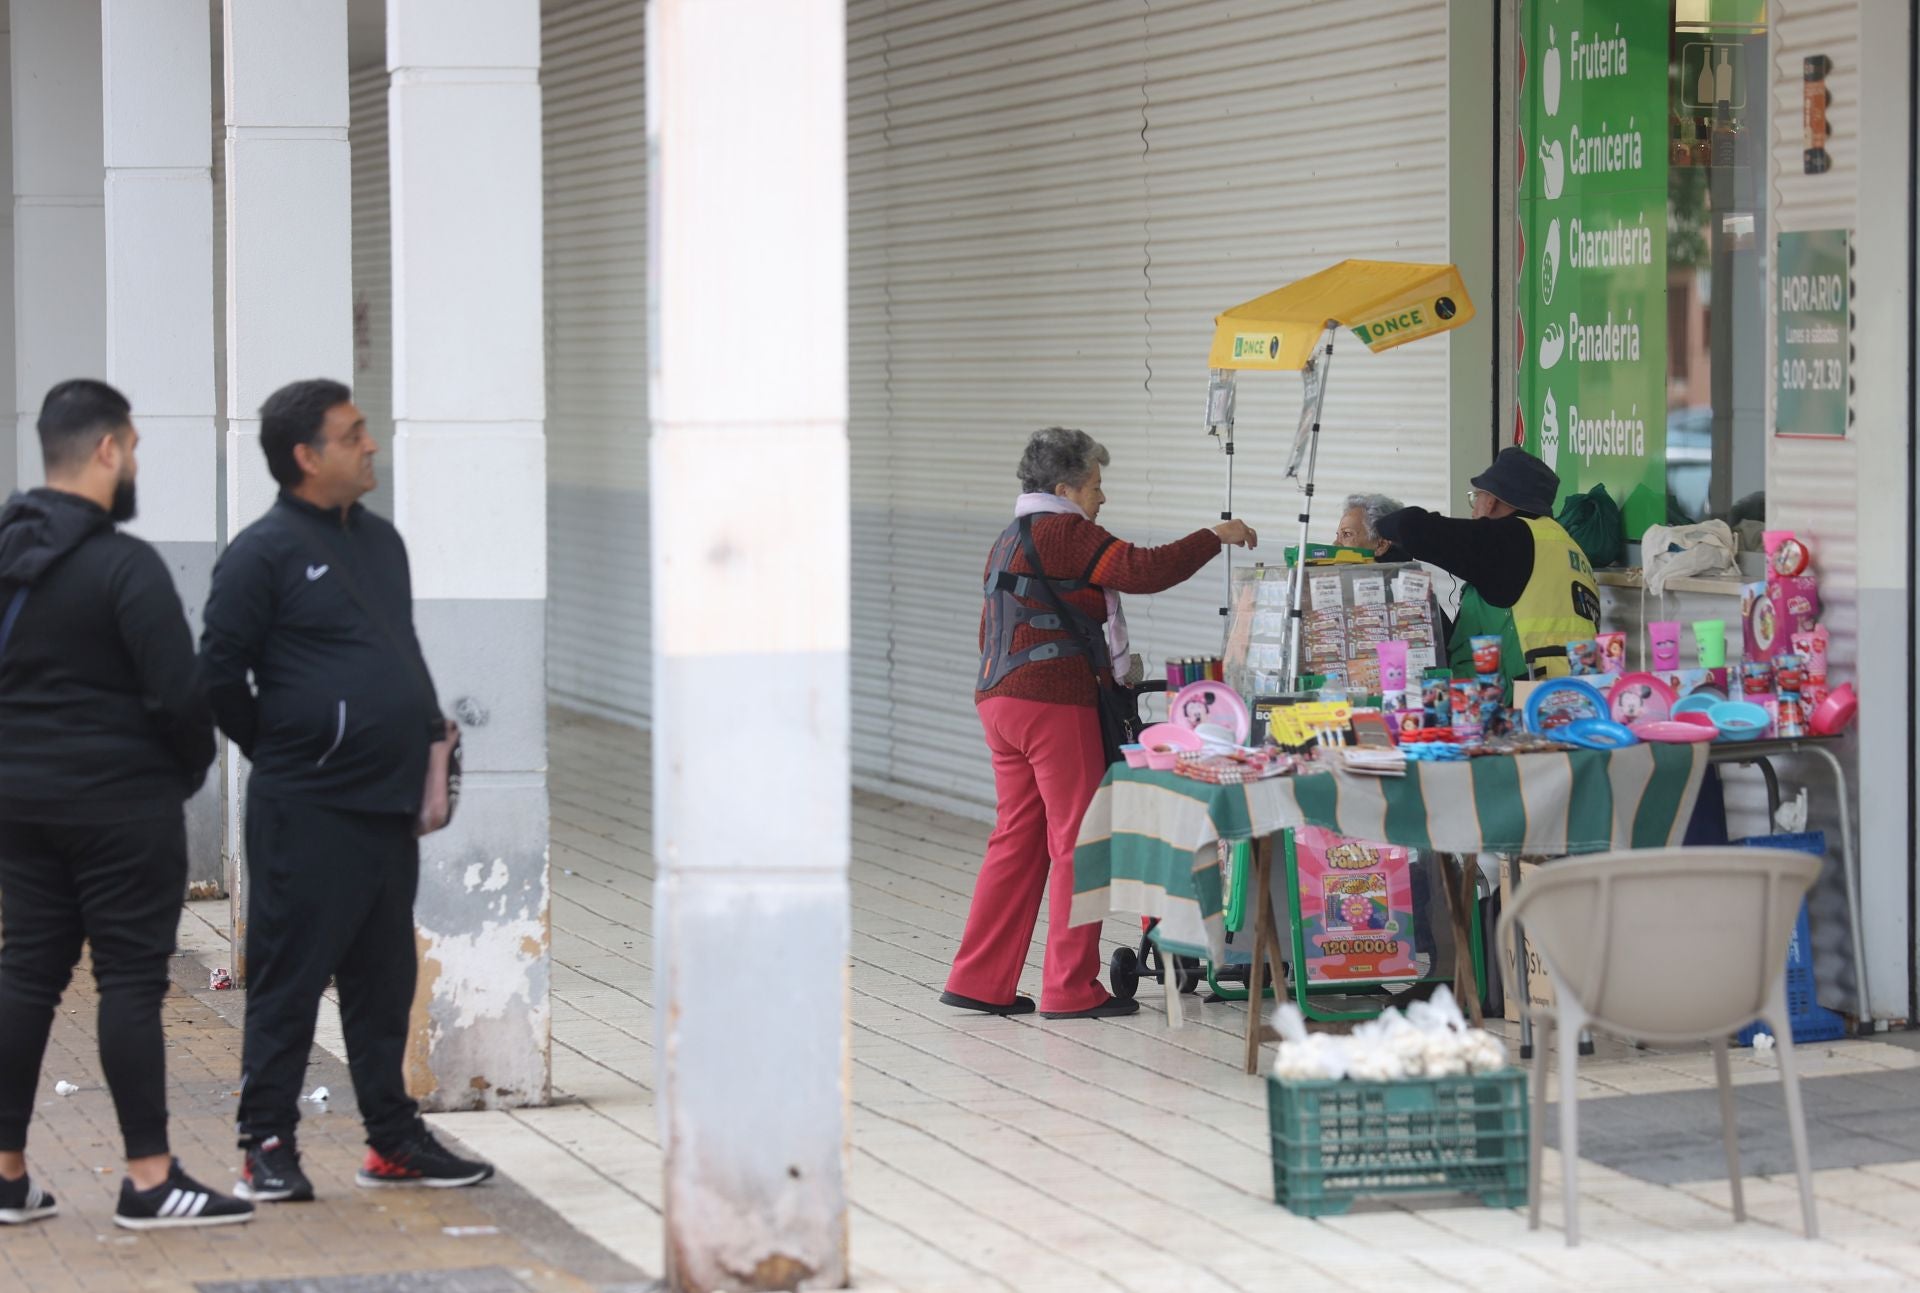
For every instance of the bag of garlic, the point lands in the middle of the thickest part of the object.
(1430, 1040)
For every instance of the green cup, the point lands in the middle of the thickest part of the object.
(1710, 638)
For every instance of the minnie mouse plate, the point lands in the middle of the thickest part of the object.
(1641, 698)
(1209, 702)
(1556, 704)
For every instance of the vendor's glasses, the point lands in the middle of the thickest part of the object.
(1473, 499)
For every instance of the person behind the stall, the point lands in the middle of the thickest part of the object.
(1359, 526)
(1046, 668)
(1527, 581)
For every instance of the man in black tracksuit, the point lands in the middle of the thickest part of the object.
(104, 734)
(315, 601)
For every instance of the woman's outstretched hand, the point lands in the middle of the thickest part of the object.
(1237, 534)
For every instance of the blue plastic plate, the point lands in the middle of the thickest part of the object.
(1597, 734)
(1555, 704)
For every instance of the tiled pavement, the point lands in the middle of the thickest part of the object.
(1116, 1155)
(493, 1237)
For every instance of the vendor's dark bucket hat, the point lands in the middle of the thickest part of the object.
(1522, 481)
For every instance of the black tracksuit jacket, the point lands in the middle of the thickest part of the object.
(102, 718)
(341, 709)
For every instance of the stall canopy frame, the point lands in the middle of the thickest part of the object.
(1386, 303)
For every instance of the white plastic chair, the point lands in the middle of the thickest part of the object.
(1665, 946)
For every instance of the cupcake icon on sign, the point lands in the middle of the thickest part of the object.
(1550, 433)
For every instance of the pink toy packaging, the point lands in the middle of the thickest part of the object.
(1774, 611)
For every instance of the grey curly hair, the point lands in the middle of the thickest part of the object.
(1059, 456)
(1372, 507)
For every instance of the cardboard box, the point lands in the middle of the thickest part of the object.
(1539, 988)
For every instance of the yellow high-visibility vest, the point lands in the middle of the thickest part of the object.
(1561, 603)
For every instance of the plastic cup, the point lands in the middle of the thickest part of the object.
(1710, 639)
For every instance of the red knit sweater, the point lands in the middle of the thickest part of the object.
(1074, 548)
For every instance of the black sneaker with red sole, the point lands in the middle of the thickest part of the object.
(271, 1173)
(420, 1160)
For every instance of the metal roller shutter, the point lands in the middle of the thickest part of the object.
(593, 57)
(1050, 201)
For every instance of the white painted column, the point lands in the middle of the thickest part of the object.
(59, 240)
(289, 255)
(746, 111)
(469, 463)
(8, 355)
(1884, 250)
(157, 58)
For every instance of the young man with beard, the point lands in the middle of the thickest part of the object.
(314, 602)
(104, 734)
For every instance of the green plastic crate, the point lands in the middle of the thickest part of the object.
(1334, 1142)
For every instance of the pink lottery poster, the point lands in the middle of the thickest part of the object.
(1356, 908)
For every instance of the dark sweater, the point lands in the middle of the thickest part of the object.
(101, 714)
(342, 710)
(1072, 547)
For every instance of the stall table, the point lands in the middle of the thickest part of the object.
(1148, 842)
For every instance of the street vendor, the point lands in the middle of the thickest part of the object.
(1049, 649)
(1527, 581)
(1360, 526)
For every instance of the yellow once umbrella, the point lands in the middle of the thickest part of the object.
(1386, 303)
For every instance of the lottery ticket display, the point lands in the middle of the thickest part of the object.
(1347, 611)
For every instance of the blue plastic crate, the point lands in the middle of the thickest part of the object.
(1810, 1021)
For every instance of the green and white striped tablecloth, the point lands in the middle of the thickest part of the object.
(1147, 843)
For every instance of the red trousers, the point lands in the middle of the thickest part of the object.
(1047, 762)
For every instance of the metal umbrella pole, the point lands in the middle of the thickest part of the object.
(1220, 412)
(1298, 576)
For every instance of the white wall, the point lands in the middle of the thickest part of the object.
(1850, 497)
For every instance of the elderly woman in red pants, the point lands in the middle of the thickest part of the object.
(1051, 638)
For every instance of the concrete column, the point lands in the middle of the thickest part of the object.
(289, 255)
(8, 355)
(59, 239)
(469, 472)
(746, 113)
(159, 322)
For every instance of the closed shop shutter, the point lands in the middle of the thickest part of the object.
(1049, 203)
(598, 650)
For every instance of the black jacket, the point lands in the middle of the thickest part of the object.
(341, 710)
(101, 714)
(1495, 556)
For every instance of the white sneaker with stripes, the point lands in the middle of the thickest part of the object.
(178, 1201)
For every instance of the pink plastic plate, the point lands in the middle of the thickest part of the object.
(1207, 701)
(1641, 698)
(1671, 733)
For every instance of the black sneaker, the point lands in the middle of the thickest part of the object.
(420, 1160)
(177, 1201)
(271, 1174)
(22, 1201)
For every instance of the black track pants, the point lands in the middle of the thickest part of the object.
(330, 896)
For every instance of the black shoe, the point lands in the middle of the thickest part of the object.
(1018, 1006)
(177, 1201)
(22, 1201)
(271, 1174)
(1111, 1008)
(419, 1159)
